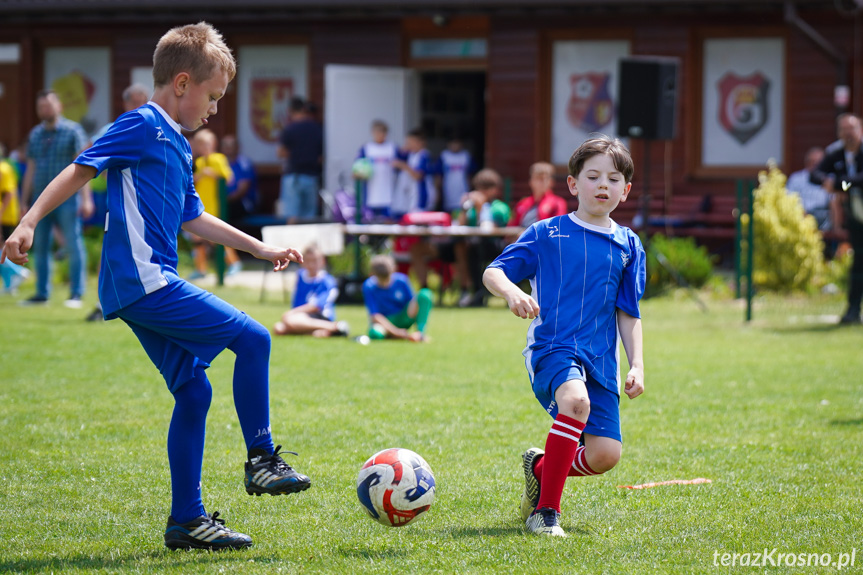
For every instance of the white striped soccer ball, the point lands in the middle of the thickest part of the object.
(395, 486)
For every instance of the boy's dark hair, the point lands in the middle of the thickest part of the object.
(298, 104)
(198, 49)
(487, 179)
(45, 93)
(382, 266)
(418, 133)
(602, 144)
(380, 125)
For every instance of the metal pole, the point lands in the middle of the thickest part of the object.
(358, 219)
(738, 238)
(219, 251)
(750, 252)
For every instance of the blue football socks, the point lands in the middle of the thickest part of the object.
(252, 385)
(186, 446)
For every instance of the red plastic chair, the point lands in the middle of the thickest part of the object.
(402, 247)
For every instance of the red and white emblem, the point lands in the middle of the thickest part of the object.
(590, 107)
(743, 108)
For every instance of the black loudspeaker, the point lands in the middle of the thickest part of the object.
(647, 98)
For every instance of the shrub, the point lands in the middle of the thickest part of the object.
(691, 262)
(789, 251)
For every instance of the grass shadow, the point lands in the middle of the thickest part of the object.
(375, 553)
(846, 422)
(517, 529)
(500, 531)
(114, 561)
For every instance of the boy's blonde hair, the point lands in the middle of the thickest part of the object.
(487, 179)
(542, 169)
(602, 144)
(206, 136)
(198, 49)
(382, 266)
(312, 250)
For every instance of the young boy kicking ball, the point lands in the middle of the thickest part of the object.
(151, 197)
(587, 275)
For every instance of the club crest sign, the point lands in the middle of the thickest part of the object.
(590, 107)
(271, 98)
(743, 107)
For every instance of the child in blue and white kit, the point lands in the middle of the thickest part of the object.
(587, 275)
(151, 198)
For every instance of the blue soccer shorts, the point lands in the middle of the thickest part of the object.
(181, 327)
(549, 371)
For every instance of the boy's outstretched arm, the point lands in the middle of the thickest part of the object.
(519, 302)
(64, 186)
(630, 334)
(215, 230)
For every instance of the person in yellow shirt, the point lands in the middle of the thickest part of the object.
(10, 212)
(210, 167)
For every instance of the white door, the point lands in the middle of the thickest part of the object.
(354, 97)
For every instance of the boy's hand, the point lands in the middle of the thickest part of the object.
(280, 257)
(17, 245)
(634, 383)
(522, 305)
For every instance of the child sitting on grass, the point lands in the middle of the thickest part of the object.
(314, 306)
(391, 304)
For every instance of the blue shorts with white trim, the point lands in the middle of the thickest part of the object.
(549, 371)
(181, 327)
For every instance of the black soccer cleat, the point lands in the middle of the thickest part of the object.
(270, 474)
(204, 532)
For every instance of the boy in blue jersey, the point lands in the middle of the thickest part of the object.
(391, 304)
(587, 275)
(151, 197)
(313, 311)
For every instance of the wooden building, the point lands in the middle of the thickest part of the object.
(520, 80)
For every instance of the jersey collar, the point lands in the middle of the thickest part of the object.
(579, 222)
(165, 115)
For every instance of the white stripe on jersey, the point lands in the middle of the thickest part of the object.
(149, 272)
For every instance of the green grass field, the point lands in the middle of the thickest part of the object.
(772, 413)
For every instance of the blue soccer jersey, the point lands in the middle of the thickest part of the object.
(321, 290)
(150, 195)
(390, 300)
(580, 275)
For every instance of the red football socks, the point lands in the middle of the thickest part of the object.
(580, 468)
(554, 467)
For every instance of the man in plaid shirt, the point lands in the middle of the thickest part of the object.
(52, 146)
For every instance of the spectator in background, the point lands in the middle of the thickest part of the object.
(542, 202)
(12, 273)
(483, 209)
(313, 311)
(301, 145)
(134, 97)
(210, 168)
(381, 153)
(814, 198)
(456, 167)
(415, 190)
(52, 146)
(841, 173)
(243, 190)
